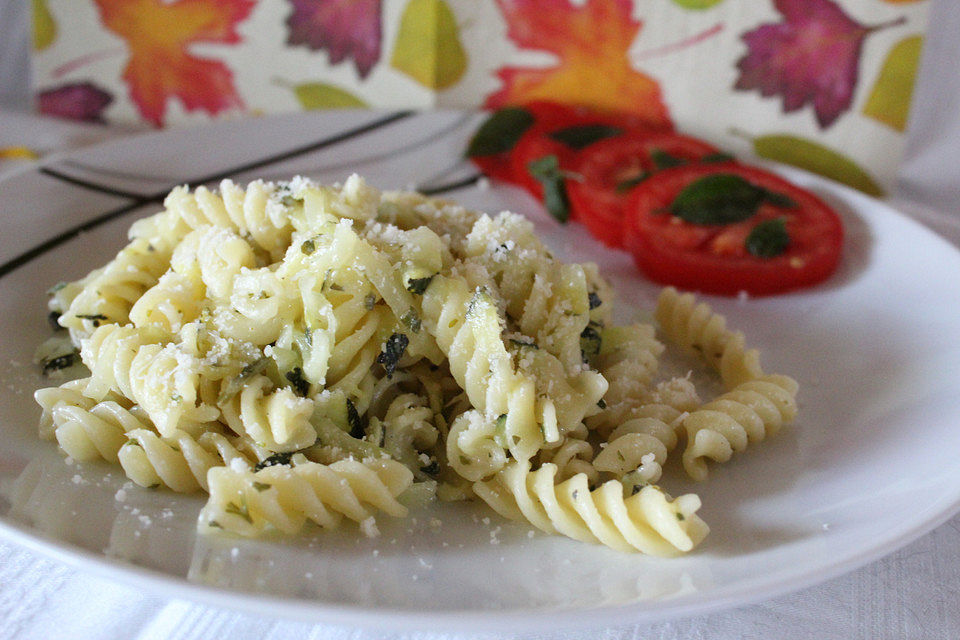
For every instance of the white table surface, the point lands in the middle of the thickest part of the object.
(911, 594)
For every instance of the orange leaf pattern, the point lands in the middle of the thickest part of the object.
(159, 35)
(592, 43)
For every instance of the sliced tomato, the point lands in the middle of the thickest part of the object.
(713, 257)
(607, 171)
(564, 132)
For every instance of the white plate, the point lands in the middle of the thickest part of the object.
(869, 465)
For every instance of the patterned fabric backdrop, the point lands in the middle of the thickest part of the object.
(823, 84)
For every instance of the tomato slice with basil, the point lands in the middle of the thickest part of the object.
(608, 170)
(725, 228)
(492, 147)
(564, 132)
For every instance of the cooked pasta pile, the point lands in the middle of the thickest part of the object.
(312, 353)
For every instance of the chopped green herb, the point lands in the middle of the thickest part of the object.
(411, 320)
(239, 510)
(94, 317)
(500, 430)
(277, 458)
(308, 247)
(215, 524)
(353, 419)
(60, 362)
(261, 486)
(300, 384)
(500, 132)
(583, 135)
(57, 287)
(370, 301)
(393, 350)
(52, 318)
(233, 387)
(417, 286)
(680, 517)
(590, 342)
(768, 239)
(431, 469)
(546, 171)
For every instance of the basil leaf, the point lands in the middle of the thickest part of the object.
(718, 198)
(625, 185)
(546, 171)
(768, 239)
(500, 132)
(583, 135)
(719, 156)
(780, 200)
(663, 160)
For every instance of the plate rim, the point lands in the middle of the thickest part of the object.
(743, 593)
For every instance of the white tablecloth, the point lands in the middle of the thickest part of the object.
(912, 594)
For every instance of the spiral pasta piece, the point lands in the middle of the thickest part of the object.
(255, 211)
(408, 430)
(96, 432)
(170, 304)
(165, 381)
(467, 329)
(180, 461)
(696, 328)
(247, 502)
(748, 413)
(473, 448)
(628, 359)
(70, 393)
(109, 353)
(109, 295)
(275, 418)
(573, 455)
(648, 521)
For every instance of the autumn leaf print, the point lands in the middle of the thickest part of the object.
(83, 101)
(159, 35)
(811, 57)
(591, 41)
(345, 28)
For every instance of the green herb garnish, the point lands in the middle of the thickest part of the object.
(392, 352)
(768, 239)
(723, 198)
(583, 135)
(590, 342)
(629, 183)
(546, 171)
(61, 362)
(275, 459)
(300, 384)
(411, 320)
(417, 286)
(353, 419)
(500, 132)
(663, 160)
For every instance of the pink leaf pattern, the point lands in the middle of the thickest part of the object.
(812, 57)
(82, 101)
(345, 28)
